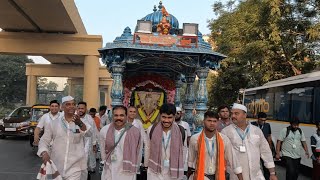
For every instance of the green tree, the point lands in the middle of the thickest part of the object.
(13, 80)
(43, 84)
(47, 91)
(264, 40)
(78, 92)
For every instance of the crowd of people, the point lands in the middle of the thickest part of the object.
(228, 147)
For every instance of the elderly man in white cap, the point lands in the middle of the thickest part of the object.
(67, 135)
(250, 145)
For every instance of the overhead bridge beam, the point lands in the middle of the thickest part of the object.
(49, 44)
(62, 70)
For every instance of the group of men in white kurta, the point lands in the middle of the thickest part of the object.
(70, 138)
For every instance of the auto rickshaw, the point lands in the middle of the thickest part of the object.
(37, 111)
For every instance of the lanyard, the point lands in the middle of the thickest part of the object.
(260, 126)
(211, 153)
(65, 126)
(245, 133)
(120, 136)
(167, 142)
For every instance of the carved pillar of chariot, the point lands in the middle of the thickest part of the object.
(117, 86)
(189, 101)
(202, 98)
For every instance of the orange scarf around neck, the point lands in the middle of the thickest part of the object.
(200, 165)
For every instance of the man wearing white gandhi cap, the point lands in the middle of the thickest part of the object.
(67, 135)
(250, 145)
(239, 106)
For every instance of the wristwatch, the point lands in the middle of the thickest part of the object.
(80, 124)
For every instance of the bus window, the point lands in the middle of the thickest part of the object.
(301, 104)
(249, 103)
(281, 106)
(269, 105)
(316, 105)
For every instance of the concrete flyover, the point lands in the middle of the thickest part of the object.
(53, 29)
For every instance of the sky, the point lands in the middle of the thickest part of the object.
(110, 17)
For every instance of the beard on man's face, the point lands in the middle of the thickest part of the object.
(80, 113)
(209, 129)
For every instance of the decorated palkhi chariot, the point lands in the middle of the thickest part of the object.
(150, 66)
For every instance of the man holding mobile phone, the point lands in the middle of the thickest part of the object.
(67, 150)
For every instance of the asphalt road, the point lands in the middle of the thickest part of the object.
(19, 162)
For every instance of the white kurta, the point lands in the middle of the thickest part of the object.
(67, 150)
(104, 120)
(186, 127)
(165, 173)
(256, 147)
(46, 119)
(115, 170)
(229, 154)
(138, 124)
(90, 142)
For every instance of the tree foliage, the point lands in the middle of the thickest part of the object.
(43, 84)
(47, 91)
(13, 79)
(264, 40)
(78, 92)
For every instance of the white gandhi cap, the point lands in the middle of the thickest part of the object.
(178, 109)
(239, 106)
(67, 98)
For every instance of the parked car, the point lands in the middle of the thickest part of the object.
(16, 123)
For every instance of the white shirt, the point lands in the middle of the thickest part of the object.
(104, 120)
(67, 149)
(186, 127)
(115, 170)
(138, 124)
(229, 154)
(256, 147)
(165, 173)
(45, 120)
(90, 141)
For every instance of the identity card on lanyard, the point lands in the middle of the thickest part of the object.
(211, 154)
(242, 148)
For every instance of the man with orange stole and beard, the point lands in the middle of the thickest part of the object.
(209, 152)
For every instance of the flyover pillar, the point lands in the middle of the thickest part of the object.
(31, 98)
(91, 81)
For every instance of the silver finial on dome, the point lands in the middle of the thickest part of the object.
(154, 8)
(160, 6)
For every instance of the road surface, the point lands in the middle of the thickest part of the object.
(19, 162)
